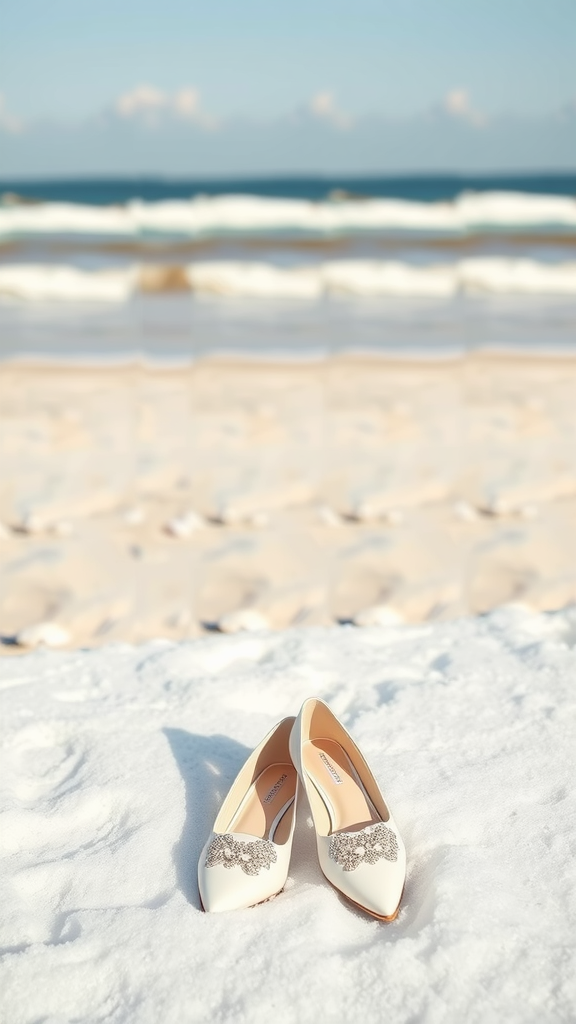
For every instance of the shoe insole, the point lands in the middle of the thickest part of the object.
(331, 771)
(263, 811)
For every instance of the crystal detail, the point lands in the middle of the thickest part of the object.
(371, 844)
(230, 852)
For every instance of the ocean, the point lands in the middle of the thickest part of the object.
(299, 267)
(415, 188)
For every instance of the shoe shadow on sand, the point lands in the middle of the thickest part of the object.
(208, 765)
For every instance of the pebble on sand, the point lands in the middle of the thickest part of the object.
(377, 615)
(32, 523)
(369, 512)
(232, 515)
(464, 511)
(248, 620)
(328, 516)
(48, 634)
(184, 525)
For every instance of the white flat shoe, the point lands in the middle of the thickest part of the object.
(359, 847)
(246, 858)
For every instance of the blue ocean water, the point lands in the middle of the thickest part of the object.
(179, 326)
(418, 188)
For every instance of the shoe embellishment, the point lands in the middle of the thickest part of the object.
(231, 853)
(371, 844)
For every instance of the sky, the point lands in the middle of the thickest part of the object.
(314, 85)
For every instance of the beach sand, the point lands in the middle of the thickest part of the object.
(115, 762)
(138, 502)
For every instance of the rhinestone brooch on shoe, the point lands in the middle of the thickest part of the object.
(371, 844)
(231, 853)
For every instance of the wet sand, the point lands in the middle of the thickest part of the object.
(137, 502)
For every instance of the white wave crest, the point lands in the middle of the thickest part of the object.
(255, 280)
(206, 215)
(521, 276)
(361, 278)
(38, 283)
(375, 277)
(382, 278)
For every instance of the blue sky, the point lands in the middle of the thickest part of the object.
(475, 66)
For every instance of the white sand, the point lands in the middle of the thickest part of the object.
(115, 762)
(138, 503)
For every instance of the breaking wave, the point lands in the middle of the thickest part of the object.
(241, 279)
(232, 214)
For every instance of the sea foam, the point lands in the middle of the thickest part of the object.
(253, 280)
(208, 215)
(48, 283)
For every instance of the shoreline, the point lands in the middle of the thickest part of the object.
(254, 361)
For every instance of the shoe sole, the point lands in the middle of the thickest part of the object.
(379, 917)
(372, 913)
(249, 907)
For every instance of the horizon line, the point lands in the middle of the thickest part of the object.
(287, 175)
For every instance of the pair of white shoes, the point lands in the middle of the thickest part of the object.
(246, 859)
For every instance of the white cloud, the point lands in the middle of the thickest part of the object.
(149, 103)
(144, 99)
(457, 104)
(323, 106)
(8, 121)
(187, 103)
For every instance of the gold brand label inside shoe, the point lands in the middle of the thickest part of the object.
(330, 769)
(275, 789)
